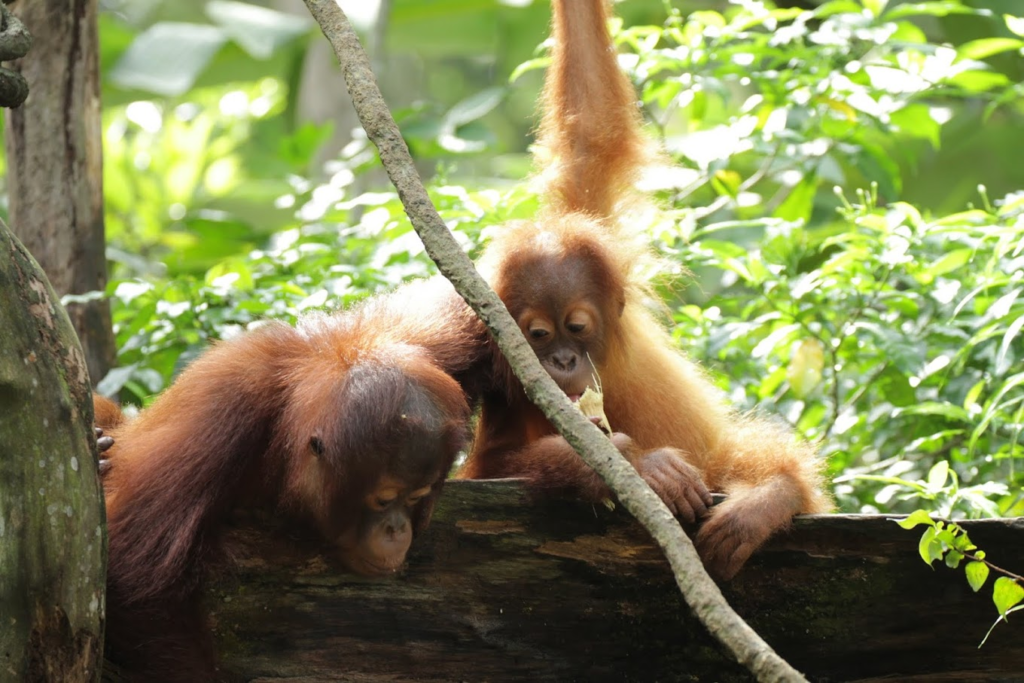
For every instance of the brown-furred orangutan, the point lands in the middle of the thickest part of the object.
(575, 279)
(347, 424)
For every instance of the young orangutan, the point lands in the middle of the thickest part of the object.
(347, 423)
(574, 281)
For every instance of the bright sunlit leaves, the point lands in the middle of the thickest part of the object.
(1006, 594)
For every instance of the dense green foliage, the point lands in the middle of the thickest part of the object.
(798, 272)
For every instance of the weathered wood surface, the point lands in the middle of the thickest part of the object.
(503, 589)
(52, 537)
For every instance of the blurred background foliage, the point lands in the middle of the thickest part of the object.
(843, 223)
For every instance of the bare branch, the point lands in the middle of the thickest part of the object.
(595, 448)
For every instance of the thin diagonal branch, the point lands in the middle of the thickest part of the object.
(701, 593)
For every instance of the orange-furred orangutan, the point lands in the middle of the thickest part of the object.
(574, 279)
(346, 423)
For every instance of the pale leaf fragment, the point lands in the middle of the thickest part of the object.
(591, 404)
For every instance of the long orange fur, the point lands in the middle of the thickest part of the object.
(592, 150)
(234, 430)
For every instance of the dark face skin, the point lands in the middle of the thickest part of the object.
(562, 337)
(559, 306)
(374, 529)
(378, 545)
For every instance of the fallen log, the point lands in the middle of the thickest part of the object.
(504, 588)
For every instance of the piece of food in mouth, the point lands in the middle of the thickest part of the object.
(591, 404)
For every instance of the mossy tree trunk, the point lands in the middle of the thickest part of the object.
(54, 152)
(52, 525)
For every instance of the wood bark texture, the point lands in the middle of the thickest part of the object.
(502, 588)
(52, 533)
(54, 155)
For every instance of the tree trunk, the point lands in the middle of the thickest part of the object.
(52, 531)
(54, 155)
(504, 589)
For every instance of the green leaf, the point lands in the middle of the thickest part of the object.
(977, 574)
(1002, 306)
(258, 30)
(722, 250)
(938, 475)
(779, 336)
(463, 115)
(934, 9)
(232, 273)
(475, 106)
(953, 558)
(1006, 593)
(301, 146)
(969, 217)
(726, 182)
(805, 367)
(915, 518)
(930, 548)
(787, 13)
(946, 410)
(879, 165)
(168, 57)
(909, 211)
(527, 66)
(708, 19)
(961, 540)
(876, 7)
(916, 120)
(115, 379)
(971, 399)
(976, 81)
(1015, 24)
(950, 262)
(798, 205)
(837, 7)
(986, 47)
(1003, 357)
(992, 407)
(946, 536)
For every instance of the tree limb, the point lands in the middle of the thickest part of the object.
(595, 448)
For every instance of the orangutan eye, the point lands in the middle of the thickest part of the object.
(576, 328)
(417, 495)
(317, 446)
(538, 333)
(382, 502)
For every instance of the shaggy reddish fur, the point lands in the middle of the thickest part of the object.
(592, 150)
(235, 430)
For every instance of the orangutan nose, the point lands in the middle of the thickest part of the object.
(564, 360)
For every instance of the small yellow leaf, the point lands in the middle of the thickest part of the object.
(805, 367)
(848, 112)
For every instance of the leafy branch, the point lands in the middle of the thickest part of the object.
(948, 541)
